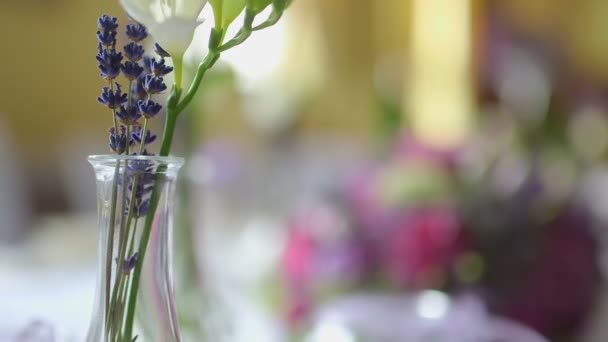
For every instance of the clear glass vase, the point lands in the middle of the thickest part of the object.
(134, 297)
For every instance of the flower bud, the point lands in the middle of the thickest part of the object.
(226, 11)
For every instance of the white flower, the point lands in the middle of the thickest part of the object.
(170, 22)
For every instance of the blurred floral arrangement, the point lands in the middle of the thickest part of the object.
(502, 216)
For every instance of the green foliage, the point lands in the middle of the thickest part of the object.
(232, 9)
(217, 6)
(259, 5)
(225, 11)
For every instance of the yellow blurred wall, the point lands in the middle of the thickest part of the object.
(49, 77)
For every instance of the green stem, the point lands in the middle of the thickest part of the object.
(142, 146)
(121, 256)
(143, 245)
(273, 18)
(110, 244)
(205, 65)
(129, 101)
(178, 67)
(113, 110)
(243, 34)
(111, 227)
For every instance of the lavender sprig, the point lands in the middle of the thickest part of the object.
(154, 85)
(136, 32)
(118, 140)
(148, 108)
(139, 137)
(112, 99)
(160, 51)
(109, 61)
(128, 115)
(134, 52)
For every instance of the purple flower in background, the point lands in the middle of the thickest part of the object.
(558, 291)
(421, 246)
(37, 331)
(112, 99)
(134, 52)
(136, 32)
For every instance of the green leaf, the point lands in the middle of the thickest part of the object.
(259, 5)
(217, 6)
(231, 10)
(280, 5)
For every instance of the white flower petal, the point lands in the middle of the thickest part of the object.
(190, 8)
(170, 22)
(140, 10)
(174, 34)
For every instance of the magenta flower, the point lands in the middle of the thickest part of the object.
(422, 246)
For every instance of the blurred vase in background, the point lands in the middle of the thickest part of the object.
(417, 317)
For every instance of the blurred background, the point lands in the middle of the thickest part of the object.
(363, 171)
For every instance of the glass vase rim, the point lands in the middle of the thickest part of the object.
(108, 158)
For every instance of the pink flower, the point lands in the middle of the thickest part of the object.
(299, 256)
(422, 246)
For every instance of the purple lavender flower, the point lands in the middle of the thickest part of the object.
(148, 108)
(154, 85)
(106, 38)
(144, 184)
(134, 52)
(146, 63)
(107, 23)
(159, 68)
(112, 99)
(118, 140)
(143, 169)
(136, 32)
(147, 138)
(128, 116)
(129, 264)
(160, 51)
(141, 208)
(138, 91)
(131, 70)
(109, 62)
